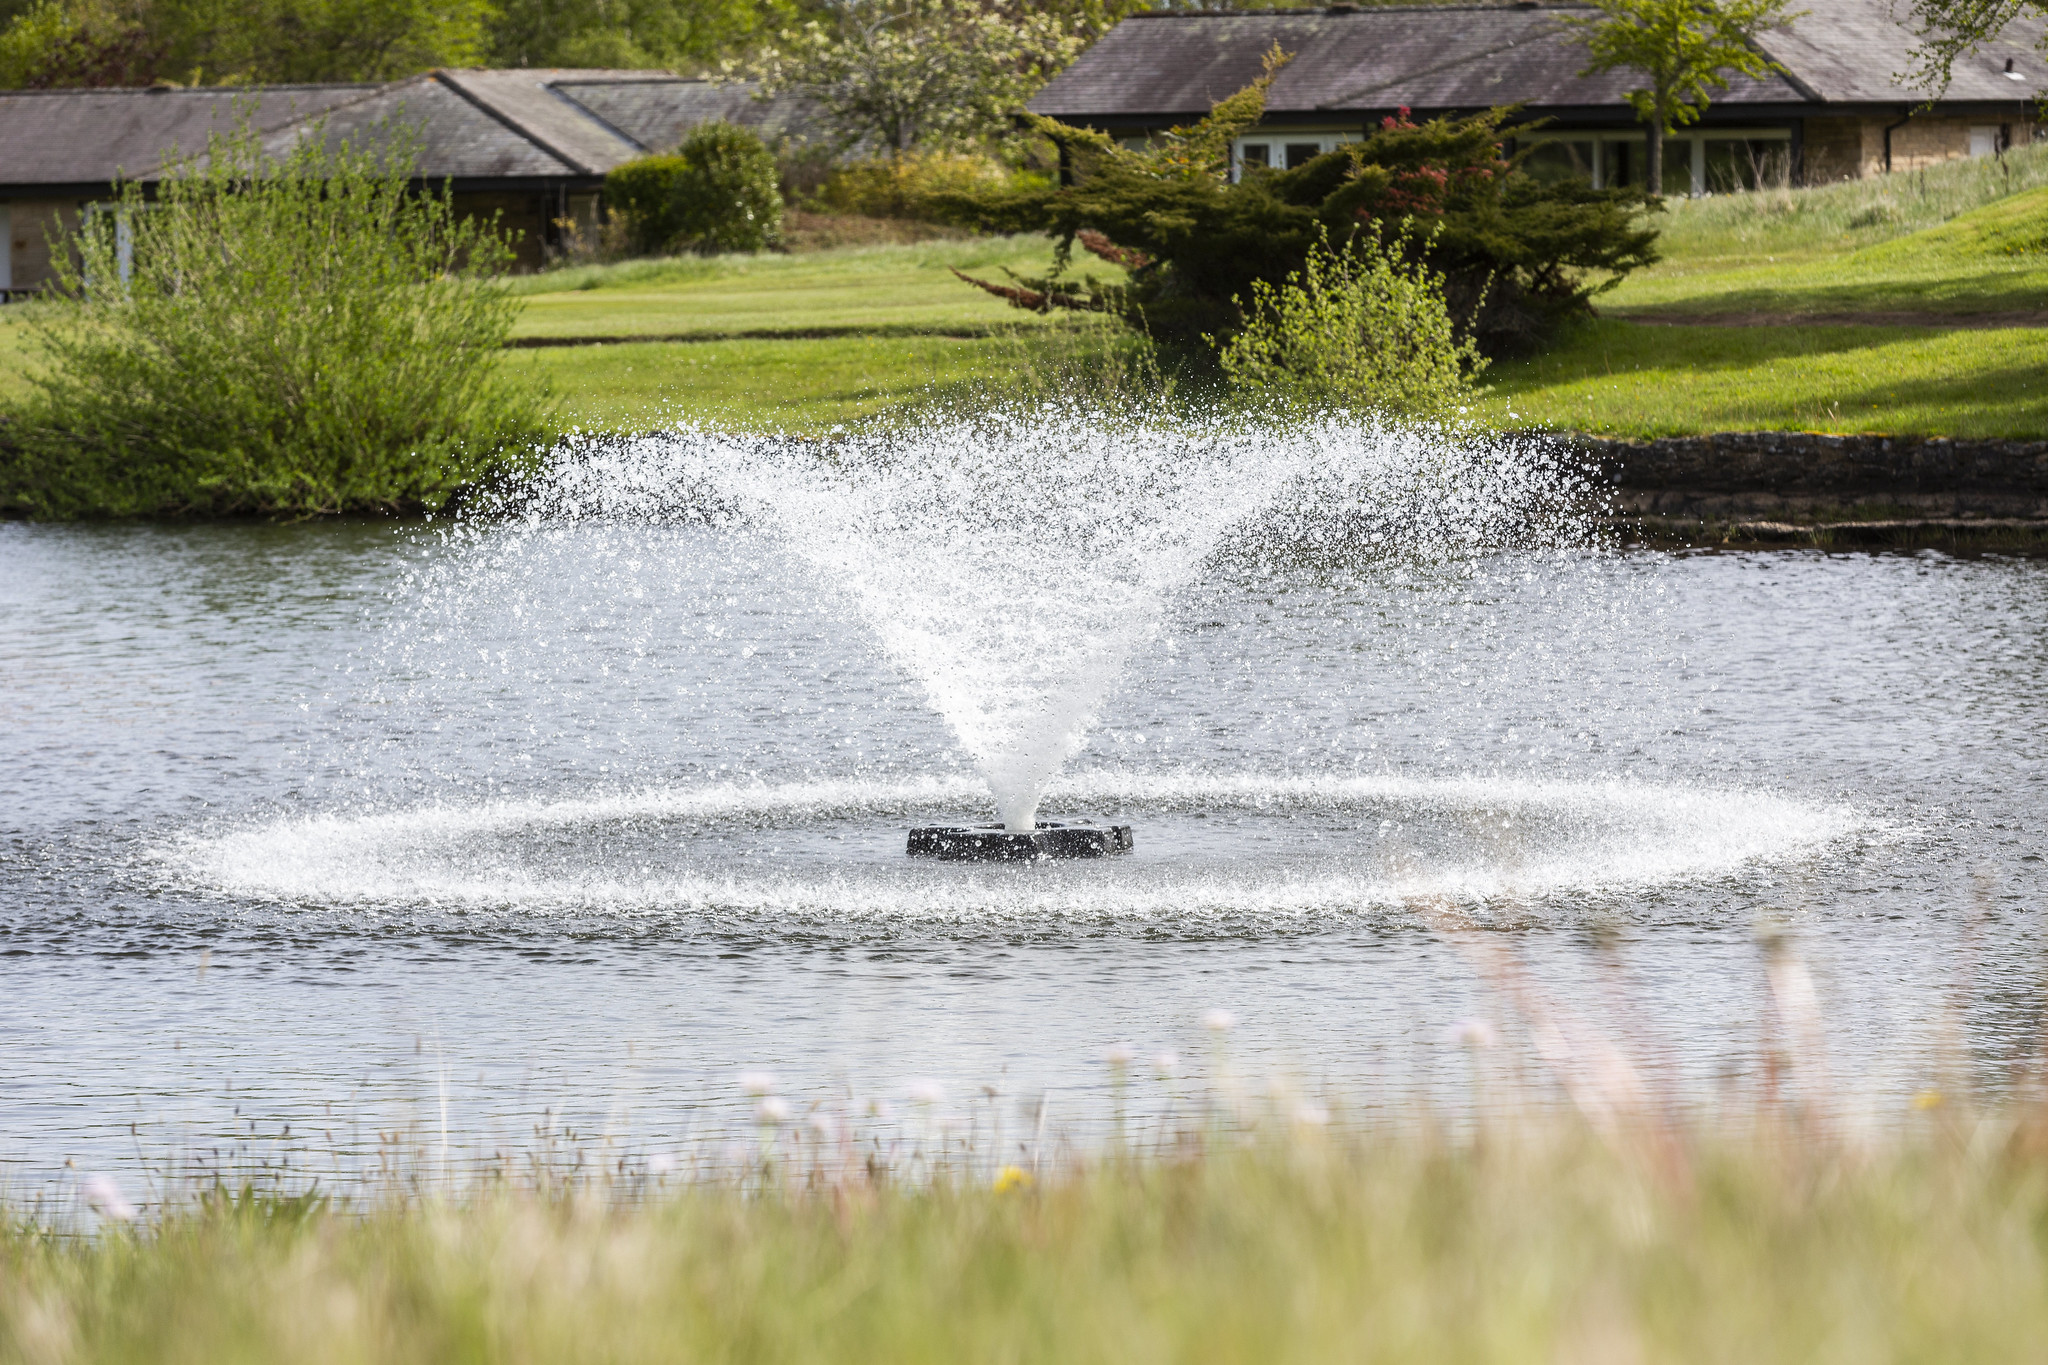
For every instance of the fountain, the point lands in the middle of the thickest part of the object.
(741, 676)
(1013, 562)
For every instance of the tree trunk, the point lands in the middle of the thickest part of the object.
(1653, 172)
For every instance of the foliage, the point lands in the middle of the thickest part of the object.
(1356, 328)
(1950, 29)
(1684, 49)
(905, 73)
(1515, 255)
(900, 186)
(277, 336)
(628, 33)
(715, 193)
(52, 46)
(52, 43)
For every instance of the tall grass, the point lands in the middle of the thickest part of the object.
(1621, 1226)
(1844, 216)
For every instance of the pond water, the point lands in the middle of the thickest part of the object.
(308, 838)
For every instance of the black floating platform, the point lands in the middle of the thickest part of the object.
(995, 844)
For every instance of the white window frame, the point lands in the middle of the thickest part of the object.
(1694, 140)
(1277, 141)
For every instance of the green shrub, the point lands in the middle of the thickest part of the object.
(292, 336)
(902, 186)
(717, 192)
(1355, 328)
(1516, 256)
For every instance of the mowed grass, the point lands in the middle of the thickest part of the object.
(1536, 1243)
(1633, 379)
(1992, 261)
(880, 290)
(1819, 310)
(791, 385)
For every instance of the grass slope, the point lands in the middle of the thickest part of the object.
(1501, 1246)
(1625, 378)
(1914, 306)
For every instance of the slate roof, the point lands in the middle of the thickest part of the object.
(60, 137)
(656, 111)
(477, 126)
(1176, 64)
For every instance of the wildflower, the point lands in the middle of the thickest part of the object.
(771, 1111)
(104, 1198)
(1119, 1055)
(1012, 1178)
(1470, 1033)
(1166, 1064)
(926, 1092)
(757, 1082)
(1219, 1021)
(1311, 1115)
(661, 1163)
(1927, 1099)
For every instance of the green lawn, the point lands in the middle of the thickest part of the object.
(1632, 379)
(1991, 261)
(783, 384)
(884, 290)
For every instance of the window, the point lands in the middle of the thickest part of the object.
(1301, 153)
(1562, 159)
(1256, 154)
(1984, 141)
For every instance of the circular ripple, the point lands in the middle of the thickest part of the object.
(1247, 849)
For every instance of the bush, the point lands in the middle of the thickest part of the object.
(903, 186)
(1354, 328)
(1516, 256)
(717, 192)
(295, 336)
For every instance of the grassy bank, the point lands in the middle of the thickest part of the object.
(1535, 1242)
(1636, 379)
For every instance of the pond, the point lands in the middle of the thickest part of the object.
(315, 835)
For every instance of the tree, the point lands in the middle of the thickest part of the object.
(1515, 255)
(1948, 29)
(921, 71)
(1685, 48)
(629, 33)
(129, 42)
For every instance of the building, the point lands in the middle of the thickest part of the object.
(1838, 109)
(530, 146)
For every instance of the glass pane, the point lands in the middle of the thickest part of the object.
(1747, 163)
(1550, 162)
(1256, 154)
(1301, 153)
(1677, 166)
(1620, 163)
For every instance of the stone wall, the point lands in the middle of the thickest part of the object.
(1804, 476)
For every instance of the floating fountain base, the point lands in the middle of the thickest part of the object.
(993, 843)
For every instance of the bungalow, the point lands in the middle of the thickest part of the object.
(530, 146)
(1837, 107)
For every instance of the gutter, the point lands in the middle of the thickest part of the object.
(1889, 130)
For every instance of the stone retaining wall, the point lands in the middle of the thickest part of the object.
(1804, 476)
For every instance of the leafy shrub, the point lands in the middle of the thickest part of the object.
(1358, 328)
(294, 336)
(903, 186)
(717, 192)
(1515, 255)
